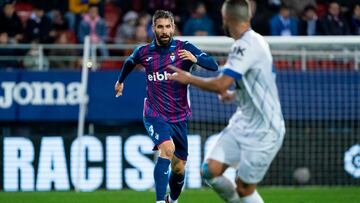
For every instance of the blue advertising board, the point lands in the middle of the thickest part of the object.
(54, 96)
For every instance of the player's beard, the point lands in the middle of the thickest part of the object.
(226, 30)
(163, 39)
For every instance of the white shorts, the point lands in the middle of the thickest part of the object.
(250, 153)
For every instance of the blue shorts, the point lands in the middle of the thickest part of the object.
(161, 131)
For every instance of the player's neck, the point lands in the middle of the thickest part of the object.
(239, 30)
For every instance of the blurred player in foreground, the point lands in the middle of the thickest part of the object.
(256, 130)
(166, 107)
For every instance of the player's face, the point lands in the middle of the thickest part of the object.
(163, 30)
(225, 22)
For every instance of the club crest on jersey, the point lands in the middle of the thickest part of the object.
(172, 57)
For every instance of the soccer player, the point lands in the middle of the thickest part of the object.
(166, 107)
(256, 130)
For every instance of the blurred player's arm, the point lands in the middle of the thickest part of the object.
(219, 84)
(199, 57)
(126, 69)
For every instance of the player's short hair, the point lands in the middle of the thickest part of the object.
(162, 14)
(238, 10)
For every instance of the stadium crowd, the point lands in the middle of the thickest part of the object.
(129, 21)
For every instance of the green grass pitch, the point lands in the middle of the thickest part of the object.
(270, 195)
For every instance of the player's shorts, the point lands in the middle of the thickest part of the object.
(251, 154)
(161, 131)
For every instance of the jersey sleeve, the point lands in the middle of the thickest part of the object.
(203, 59)
(239, 61)
(129, 64)
(135, 55)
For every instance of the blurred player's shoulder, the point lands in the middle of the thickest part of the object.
(251, 40)
(141, 48)
(185, 44)
(183, 41)
(145, 46)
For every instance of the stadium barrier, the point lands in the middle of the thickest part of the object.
(293, 53)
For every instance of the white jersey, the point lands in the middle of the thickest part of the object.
(251, 64)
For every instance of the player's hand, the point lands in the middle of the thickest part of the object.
(227, 96)
(187, 55)
(118, 89)
(179, 75)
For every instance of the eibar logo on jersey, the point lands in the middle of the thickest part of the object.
(156, 76)
(172, 57)
(239, 50)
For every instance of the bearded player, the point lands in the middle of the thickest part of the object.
(166, 106)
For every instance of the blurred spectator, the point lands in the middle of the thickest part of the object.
(321, 8)
(199, 24)
(94, 26)
(58, 62)
(169, 5)
(274, 3)
(283, 24)
(333, 23)
(346, 6)
(59, 22)
(81, 6)
(140, 34)
(39, 27)
(213, 8)
(6, 52)
(309, 20)
(61, 5)
(133, 5)
(55, 7)
(32, 58)
(126, 31)
(11, 23)
(112, 16)
(299, 6)
(177, 7)
(145, 20)
(143, 31)
(355, 20)
(76, 9)
(259, 20)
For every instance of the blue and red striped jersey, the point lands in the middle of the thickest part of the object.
(165, 98)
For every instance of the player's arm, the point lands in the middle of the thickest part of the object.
(219, 84)
(239, 61)
(127, 67)
(199, 57)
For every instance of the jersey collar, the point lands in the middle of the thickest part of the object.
(171, 48)
(242, 34)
